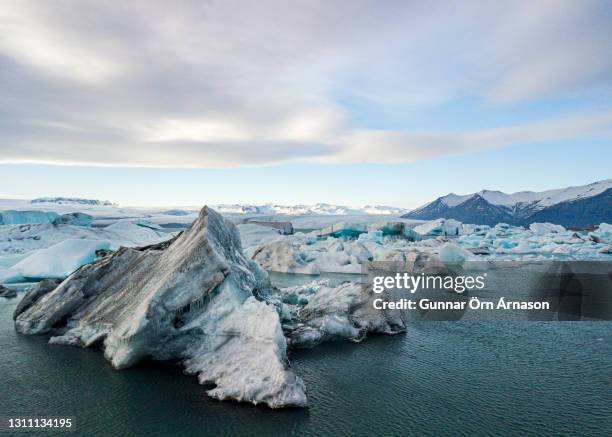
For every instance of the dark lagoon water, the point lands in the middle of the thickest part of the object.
(441, 378)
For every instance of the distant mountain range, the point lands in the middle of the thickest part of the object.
(571, 207)
(72, 201)
(582, 206)
(318, 209)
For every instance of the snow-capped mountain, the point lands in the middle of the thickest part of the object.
(573, 206)
(317, 209)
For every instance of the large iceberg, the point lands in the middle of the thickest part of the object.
(12, 217)
(195, 298)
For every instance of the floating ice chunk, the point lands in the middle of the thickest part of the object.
(12, 217)
(300, 294)
(281, 256)
(395, 229)
(602, 234)
(344, 229)
(439, 227)
(75, 218)
(374, 236)
(60, 260)
(523, 247)
(452, 254)
(338, 262)
(470, 229)
(546, 228)
(388, 228)
(255, 236)
(410, 234)
(299, 255)
(504, 243)
(504, 230)
(345, 312)
(605, 227)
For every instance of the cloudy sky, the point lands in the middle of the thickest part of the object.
(351, 102)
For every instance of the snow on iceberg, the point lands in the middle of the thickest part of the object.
(546, 228)
(60, 260)
(253, 237)
(452, 254)
(21, 239)
(196, 298)
(300, 254)
(439, 227)
(311, 254)
(282, 256)
(316, 312)
(602, 234)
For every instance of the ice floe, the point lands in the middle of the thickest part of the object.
(345, 248)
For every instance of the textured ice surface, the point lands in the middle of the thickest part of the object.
(439, 227)
(344, 229)
(59, 260)
(306, 254)
(12, 217)
(316, 312)
(7, 293)
(602, 234)
(197, 299)
(20, 241)
(24, 217)
(75, 218)
(253, 237)
(546, 228)
(453, 241)
(452, 254)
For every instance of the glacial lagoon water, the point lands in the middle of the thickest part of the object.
(440, 378)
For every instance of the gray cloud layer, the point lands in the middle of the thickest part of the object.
(232, 83)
